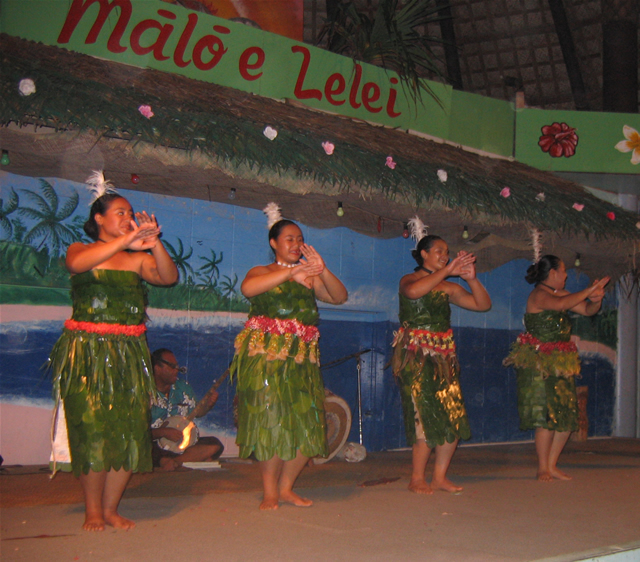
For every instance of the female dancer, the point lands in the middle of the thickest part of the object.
(280, 392)
(425, 361)
(546, 361)
(101, 365)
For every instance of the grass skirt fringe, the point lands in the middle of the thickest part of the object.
(431, 381)
(546, 385)
(105, 382)
(280, 396)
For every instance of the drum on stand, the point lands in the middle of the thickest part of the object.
(338, 416)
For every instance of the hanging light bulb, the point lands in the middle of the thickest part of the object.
(577, 262)
(135, 178)
(5, 158)
(465, 233)
(340, 211)
(232, 193)
(405, 232)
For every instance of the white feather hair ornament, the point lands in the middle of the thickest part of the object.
(98, 185)
(417, 229)
(272, 210)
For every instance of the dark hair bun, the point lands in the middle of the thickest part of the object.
(539, 271)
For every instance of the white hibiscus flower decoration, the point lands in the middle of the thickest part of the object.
(632, 144)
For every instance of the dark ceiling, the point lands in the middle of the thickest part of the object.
(509, 45)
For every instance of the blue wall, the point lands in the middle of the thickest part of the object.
(370, 268)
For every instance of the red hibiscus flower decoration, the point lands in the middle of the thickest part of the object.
(558, 140)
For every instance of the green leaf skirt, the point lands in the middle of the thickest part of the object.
(280, 397)
(431, 382)
(550, 403)
(105, 382)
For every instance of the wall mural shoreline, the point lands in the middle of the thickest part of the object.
(214, 245)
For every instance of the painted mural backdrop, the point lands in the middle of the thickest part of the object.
(214, 245)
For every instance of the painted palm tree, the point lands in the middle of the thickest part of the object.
(392, 38)
(19, 230)
(77, 226)
(180, 258)
(12, 205)
(49, 218)
(229, 286)
(209, 269)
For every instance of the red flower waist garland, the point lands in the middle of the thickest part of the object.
(106, 329)
(547, 347)
(439, 342)
(280, 326)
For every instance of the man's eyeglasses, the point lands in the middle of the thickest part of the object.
(182, 370)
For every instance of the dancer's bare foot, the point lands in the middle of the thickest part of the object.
(269, 504)
(295, 499)
(93, 522)
(559, 474)
(118, 522)
(420, 487)
(544, 476)
(446, 486)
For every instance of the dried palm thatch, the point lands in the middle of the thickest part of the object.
(204, 140)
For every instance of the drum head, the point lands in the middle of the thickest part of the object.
(338, 415)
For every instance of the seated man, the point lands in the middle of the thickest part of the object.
(175, 397)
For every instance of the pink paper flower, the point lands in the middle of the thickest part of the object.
(328, 147)
(146, 111)
(390, 162)
(578, 206)
(611, 216)
(505, 192)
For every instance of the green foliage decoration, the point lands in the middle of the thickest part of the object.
(235, 139)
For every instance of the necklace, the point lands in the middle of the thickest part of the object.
(289, 265)
(549, 287)
(425, 269)
(101, 240)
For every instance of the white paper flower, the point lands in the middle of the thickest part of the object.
(541, 196)
(442, 176)
(27, 87)
(270, 133)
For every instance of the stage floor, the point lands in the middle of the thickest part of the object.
(503, 514)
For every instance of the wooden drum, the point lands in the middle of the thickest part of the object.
(338, 415)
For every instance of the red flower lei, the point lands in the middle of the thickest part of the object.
(547, 347)
(440, 342)
(106, 329)
(283, 326)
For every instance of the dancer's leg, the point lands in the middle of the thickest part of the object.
(420, 458)
(560, 439)
(290, 472)
(444, 454)
(114, 487)
(271, 471)
(544, 438)
(93, 487)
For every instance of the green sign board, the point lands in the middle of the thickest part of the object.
(577, 141)
(163, 36)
